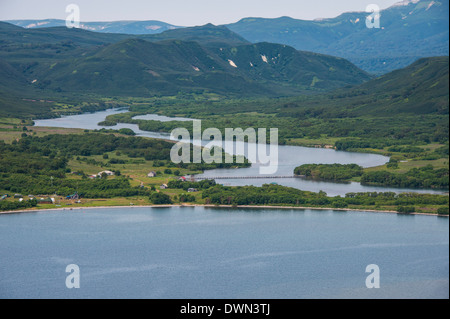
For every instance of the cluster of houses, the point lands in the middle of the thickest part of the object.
(42, 200)
(49, 200)
(150, 174)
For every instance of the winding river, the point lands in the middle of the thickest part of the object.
(289, 158)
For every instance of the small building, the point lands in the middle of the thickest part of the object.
(92, 176)
(108, 173)
(182, 178)
(47, 200)
(151, 174)
(192, 190)
(163, 186)
(18, 196)
(73, 196)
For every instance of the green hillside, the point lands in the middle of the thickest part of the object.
(207, 59)
(420, 88)
(24, 48)
(140, 68)
(11, 79)
(18, 44)
(14, 91)
(274, 62)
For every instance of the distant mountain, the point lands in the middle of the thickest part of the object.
(141, 68)
(18, 44)
(14, 35)
(199, 59)
(409, 30)
(208, 35)
(128, 27)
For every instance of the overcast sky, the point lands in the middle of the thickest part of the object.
(183, 12)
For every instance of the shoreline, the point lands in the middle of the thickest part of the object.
(215, 206)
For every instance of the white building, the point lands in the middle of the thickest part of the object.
(108, 173)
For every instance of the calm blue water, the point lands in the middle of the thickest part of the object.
(196, 252)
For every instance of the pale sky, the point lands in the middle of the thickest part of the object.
(183, 12)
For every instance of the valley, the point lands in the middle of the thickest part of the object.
(225, 77)
(179, 150)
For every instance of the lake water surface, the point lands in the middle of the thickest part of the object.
(197, 252)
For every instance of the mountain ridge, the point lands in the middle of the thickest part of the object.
(121, 26)
(140, 67)
(197, 59)
(408, 32)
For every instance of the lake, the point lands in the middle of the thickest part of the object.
(198, 252)
(289, 158)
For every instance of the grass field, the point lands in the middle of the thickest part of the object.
(404, 166)
(12, 129)
(313, 142)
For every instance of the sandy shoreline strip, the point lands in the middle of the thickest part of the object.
(213, 206)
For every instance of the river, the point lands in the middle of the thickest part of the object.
(289, 158)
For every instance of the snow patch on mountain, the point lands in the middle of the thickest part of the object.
(232, 63)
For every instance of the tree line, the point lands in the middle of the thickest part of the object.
(423, 177)
(270, 194)
(333, 172)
